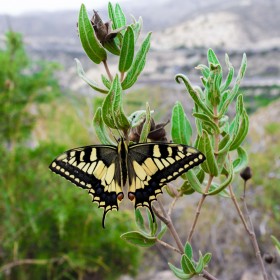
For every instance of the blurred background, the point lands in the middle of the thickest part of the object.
(49, 229)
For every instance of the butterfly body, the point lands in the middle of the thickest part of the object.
(104, 170)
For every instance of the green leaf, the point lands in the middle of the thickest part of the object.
(242, 131)
(112, 16)
(213, 84)
(82, 75)
(209, 165)
(137, 27)
(242, 160)
(146, 126)
(162, 231)
(193, 181)
(186, 188)
(200, 265)
(179, 273)
(139, 220)
(90, 43)
(152, 223)
(230, 74)
(207, 258)
(112, 47)
(196, 98)
(100, 129)
(223, 185)
(107, 83)
(204, 70)
(127, 50)
(184, 265)
(139, 239)
(112, 110)
(181, 129)
(189, 264)
(138, 64)
(212, 58)
(120, 19)
(188, 250)
(207, 120)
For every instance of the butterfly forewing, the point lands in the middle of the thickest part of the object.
(95, 168)
(152, 165)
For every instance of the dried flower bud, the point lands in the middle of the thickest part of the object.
(103, 31)
(268, 258)
(246, 173)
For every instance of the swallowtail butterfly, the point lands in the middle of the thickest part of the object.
(103, 170)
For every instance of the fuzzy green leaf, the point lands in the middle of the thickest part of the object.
(139, 220)
(205, 71)
(276, 243)
(107, 83)
(207, 258)
(127, 50)
(112, 47)
(138, 64)
(82, 75)
(242, 160)
(179, 273)
(90, 43)
(100, 129)
(195, 96)
(181, 129)
(212, 58)
(189, 264)
(209, 165)
(146, 126)
(230, 74)
(207, 120)
(162, 231)
(200, 265)
(120, 16)
(184, 265)
(186, 188)
(188, 250)
(152, 223)
(139, 239)
(193, 181)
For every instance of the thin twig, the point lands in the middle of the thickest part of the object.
(168, 246)
(253, 235)
(108, 70)
(198, 209)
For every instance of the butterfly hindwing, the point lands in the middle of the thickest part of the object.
(152, 165)
(95, 168)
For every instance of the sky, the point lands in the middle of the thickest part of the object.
(16, 7)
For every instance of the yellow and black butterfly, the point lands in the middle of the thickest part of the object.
(103, 170)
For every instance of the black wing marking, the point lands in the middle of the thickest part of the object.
(96, 169)
(152, 165)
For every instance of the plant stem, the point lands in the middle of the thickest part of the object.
(108, 70)
(251, 231)
(168, 246)
(198, 209)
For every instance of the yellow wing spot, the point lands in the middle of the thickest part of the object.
(99, 170)
(85, 168)
(177, 158)
(74, 163)
(200, 157)
(81, 165)
(196, 160)
(189, 154)
(191, 162)
(53, 164)
(72, 160)
(146, 203)
(62, 170)
(158, 163)
(96, 198)
(156, 152)
(83, 183)
(169, 149)
(158, 191)
(150, 166)
(72, 154)
(77, 180)
(181, 155)
(67, 173)
(140, 172)
(93, 155)
(175, 173)
(169, 177)
(181, 170)
(152, 197)
(91, 168)
(186, 166)
(110, 173)
(58, 167)
(165, 163)
(102, 203)
(82, 154)
(192, 150)
(163, 180)
(171, 160)
(89, 186)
